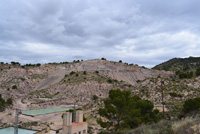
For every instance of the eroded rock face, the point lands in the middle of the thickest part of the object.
(64, 84)
(52, 84)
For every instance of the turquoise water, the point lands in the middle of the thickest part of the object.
(10, 130)
(36, 112)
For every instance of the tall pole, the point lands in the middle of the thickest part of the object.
(17, 112)
(163, 104)
(74, 113)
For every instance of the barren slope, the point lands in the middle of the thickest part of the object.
(52, 83)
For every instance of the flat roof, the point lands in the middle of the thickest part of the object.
(77, 123)
(36, 112)
(10, 130)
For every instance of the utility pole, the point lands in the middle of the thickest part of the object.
(74, 113)
(163, 104)
(17, 112)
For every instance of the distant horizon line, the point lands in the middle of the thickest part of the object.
(76, 61)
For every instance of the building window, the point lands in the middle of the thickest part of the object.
(84, 131)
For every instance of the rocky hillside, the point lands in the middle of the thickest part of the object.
(64, 83)
(180, 64)
(80, 82)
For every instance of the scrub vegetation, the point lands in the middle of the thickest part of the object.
(5, 103)
(122, 110)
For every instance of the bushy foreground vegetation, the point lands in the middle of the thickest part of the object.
(188, 125)
(191, 105)
(123, 111)
(126, 111)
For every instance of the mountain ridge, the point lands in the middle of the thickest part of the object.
(179, 64)
(31, 78)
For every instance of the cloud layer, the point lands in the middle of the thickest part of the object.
(134, 31)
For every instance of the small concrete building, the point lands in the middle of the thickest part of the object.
(77, 127)
(55, 131)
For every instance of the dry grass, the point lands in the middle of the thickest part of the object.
(162, 127)
(181, 125)
(188, 125)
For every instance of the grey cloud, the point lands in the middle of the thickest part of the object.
(94, 29)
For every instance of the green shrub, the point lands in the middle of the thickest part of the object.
(198, 72)
(191, 105)
(15, 63)
(84, 118)
(79, 109)
(109, 81)
(180, 96)
(76, 61)
(173, 94)
(2, 104)
(57, 93)
(94, 97)
(96, 72)
(84, 73)
(71, 73)
(38, 64)
(14, 87)
(115, 80)
(183, 75)
(125, 111)
(9, 101)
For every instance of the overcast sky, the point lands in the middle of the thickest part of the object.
(143, 32)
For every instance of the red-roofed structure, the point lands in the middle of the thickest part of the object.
(77, 127)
